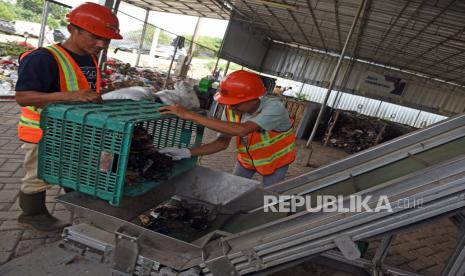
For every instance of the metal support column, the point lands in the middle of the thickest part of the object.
(194, 36)
(171, 66)
(154, 46)
(380, 255)
(142, 36)
(226, 69)
(176, 46)
(113, 5)
(216, 64)
(186, 61)
(335, 73)
(43, 23)
(345, 80)
(456, 264)
(378, 109)
(416, 119)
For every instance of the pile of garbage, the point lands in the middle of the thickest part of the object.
(9, 53)
(14, 49)
(354, 132)
(119, 75)
(8, 76)
(178, 214)
(183, 94)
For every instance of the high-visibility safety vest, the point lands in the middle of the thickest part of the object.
(265, 151)
(71, 79)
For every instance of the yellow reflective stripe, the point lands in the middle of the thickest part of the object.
(266, 142)
(70, 75)
(232, 117)
(67, 67)
(269, 160)
(29, 123)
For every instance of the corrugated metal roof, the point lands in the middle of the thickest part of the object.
(425, 36)
(419, 93)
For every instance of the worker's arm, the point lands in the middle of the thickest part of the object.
(221, 143)
(229, 128)
(41, 99)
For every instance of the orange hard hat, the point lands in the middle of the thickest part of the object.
(240, 86)
(96, 19)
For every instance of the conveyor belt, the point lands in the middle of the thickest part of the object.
(427, 166)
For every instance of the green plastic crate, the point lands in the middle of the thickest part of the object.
(78, 135)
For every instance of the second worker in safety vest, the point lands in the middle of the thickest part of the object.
(264, 135)
(58, 73)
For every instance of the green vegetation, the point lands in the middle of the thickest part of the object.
(134, 36)
(213, 43)
(11, 49)
(6, 11)
(222, 65)
(301, 96)
(31, 10)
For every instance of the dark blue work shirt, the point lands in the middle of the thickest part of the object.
(38, 71)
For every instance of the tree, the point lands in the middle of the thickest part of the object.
(205, 45)
(31, 10)
(56, 16)
(34, 6)
(134, 36)
(6, 11)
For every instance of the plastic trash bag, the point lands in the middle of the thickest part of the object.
(182, 94)
(136, 93)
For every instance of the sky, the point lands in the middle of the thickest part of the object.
(175, 23)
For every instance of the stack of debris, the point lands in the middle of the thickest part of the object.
(8, 76)
(116, 75)
(14, 49)
(355, 132)
(9, 53)
(119, 75)
(145, 162)
(178, 214)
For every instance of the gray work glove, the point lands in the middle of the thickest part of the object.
(176, 153)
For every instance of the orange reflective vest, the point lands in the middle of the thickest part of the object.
(266, 151)
(71, 79)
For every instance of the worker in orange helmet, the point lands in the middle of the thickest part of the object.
(58, 73)
(264, 135)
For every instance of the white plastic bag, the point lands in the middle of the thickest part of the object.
(136, 93)
(182, 94)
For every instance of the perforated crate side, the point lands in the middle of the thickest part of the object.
(76, 135)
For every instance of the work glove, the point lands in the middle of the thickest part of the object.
(176, 153)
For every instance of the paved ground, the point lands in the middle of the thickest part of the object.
(424, 250)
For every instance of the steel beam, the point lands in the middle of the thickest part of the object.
(43, 23)
(142, 36)
(315, 22)
(456, 264)
(335, 73)
(381, 254)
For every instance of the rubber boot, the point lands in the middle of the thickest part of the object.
(35, 213)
